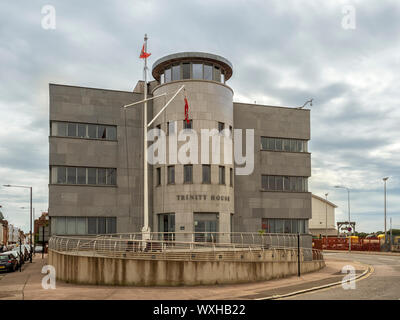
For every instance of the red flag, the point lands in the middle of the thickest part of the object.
(186, 111)
(144, 54)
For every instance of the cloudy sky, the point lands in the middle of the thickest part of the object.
(283, 53)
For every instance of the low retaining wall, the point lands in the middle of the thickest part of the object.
(85, 269)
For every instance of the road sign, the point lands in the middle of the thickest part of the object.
(46, 234)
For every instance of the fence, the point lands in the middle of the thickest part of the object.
(330, 243)
(188, 246)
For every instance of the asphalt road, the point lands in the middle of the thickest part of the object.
(382, 284)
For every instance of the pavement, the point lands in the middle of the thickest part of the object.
(27, 285)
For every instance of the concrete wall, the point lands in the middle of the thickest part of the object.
(210, 103)
(114, 271)
(97, 106)
(251, 203)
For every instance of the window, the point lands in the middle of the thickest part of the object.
(284, 183)
(158, 177)
(287, 145)
(188, 173)
(171, 174)
(167, 75)
(83, 176)
(186, 71)
(221, 126)
(217, 74)
(111, 133)
(208, 72)
(197, 71)
(284, 225)
(162, 79)
(61, 175)
(176, 73)
(71, 129)
(231, 176)
(206, 173)
(61, 129)
(101, 176)
(102, 132)
(221, 175)
(71, 175)
(92, 131)
(92, 176)
(81, 130)
(83, 225)
(187, 125)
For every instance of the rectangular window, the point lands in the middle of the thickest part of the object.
(171, 174)
(111, 133)
(71, 129)
(81, 130)
(208, 72)
(162, 79)
(264, 143)
(92, 175)
(112, 225)
(279, 183)
(71, 225)
(71, 175)
(278, 145)
(221, 175)
(286, 184)
(61, 226)
(221, 126)
(217, 74)
(206, 173)
(197, 70)
(188, 125)
(101, 225)
(231, 176)
(188, 173)
(264, 182)
(80, 225)
(292, 183)
(186, 71)
(92, 131)
(81, 175)
(176, 73)
(271, 183)
(293, 145)
(158, 177)
(101, 176)
(92, 225)
(61, 175)
(61, 129)
(286, 145)
(111, 176)
(270, 144)
(279, 227)
(102, 132)
(167, 75)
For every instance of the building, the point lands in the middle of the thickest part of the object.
(96, 157)
(322, 222)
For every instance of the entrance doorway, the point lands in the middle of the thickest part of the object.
(206, 226)
(166, 226)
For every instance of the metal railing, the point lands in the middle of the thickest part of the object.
(188, 246)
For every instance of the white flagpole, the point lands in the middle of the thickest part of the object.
(146, 228)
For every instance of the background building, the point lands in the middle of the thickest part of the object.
(323, 217)
(96, 160)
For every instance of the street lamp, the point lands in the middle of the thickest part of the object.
(348, 203)
(384, 182)
(30, 188)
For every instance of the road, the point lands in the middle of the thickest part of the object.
(382, 284)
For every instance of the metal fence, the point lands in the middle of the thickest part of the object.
(189, 246)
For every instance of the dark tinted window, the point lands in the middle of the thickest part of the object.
(101, 176)
(206, 173)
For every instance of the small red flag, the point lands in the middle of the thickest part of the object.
(186, 111)
(144, 54)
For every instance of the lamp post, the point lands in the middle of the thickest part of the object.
(30, 188)
(348, 203)
(384, 182)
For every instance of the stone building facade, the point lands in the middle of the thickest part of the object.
(96, 157)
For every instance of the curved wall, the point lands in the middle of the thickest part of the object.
(209, 103)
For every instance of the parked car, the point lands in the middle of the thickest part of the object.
(20, 254)
(8, 262)
(15, 256)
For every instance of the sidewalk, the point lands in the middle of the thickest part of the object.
(27, 285)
